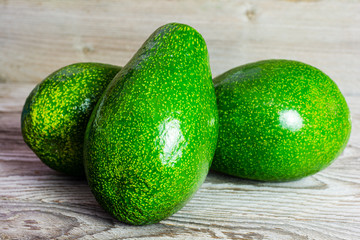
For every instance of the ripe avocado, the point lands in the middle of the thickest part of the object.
(151, 138)
(56, 112)
(279, 120)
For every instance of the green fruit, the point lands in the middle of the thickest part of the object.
(279, 120)
(56, 113)
(151, 139)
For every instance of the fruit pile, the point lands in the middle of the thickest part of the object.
(145, 135)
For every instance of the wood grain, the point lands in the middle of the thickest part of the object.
(39, 203)
(38, 37)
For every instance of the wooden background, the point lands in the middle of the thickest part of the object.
(38, 37)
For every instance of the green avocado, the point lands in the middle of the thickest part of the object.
(150, 140)
(279, 120)
(56, 112)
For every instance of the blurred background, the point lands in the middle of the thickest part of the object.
(38, 37)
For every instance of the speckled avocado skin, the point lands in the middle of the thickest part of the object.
(56, 113)
(279, 120)
(151, 139)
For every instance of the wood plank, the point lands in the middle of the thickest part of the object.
(39, 203)
(38, 37)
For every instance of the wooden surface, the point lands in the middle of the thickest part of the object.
(37, 37)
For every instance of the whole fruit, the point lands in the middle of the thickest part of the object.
(151, 139)
(279, 120)
(56, 112)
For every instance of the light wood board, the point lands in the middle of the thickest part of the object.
(39, 203)
(38, 37)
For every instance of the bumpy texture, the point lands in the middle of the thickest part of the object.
(279, 120)
(55, 115)
(151, 139)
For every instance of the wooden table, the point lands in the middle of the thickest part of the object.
(37, 37)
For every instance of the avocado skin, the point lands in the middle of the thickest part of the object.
(55, 114)
(279, 120)
(151, 139)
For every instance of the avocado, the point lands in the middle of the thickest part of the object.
(279, 120)
(151, 138)
(55, 114)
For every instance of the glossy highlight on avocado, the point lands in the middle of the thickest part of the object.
(279, 120)
(56, 112)
(151, 139)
